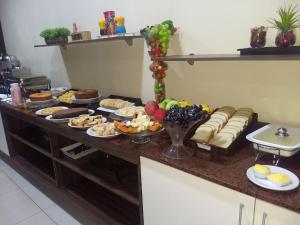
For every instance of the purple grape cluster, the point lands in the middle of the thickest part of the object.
(183, 115)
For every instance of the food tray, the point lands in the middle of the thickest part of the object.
(235, 145)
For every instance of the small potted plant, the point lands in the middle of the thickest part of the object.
(56, 35)
(288, 21)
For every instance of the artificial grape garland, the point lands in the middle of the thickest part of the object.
(157, 38)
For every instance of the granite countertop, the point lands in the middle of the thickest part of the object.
(228, 171)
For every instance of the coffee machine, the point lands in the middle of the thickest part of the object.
(12, 72)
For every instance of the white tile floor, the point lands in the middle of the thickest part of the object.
(22, 204)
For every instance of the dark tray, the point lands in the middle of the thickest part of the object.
(293, 50)
(236, 144)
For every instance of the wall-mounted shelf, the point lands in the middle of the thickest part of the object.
(128, 38)
(226, 57)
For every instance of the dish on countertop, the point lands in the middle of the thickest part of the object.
(268, 184)
(67, 97)
(111, 104)
(103, 130)
(48, 111)
(142, 123)
(86, 121)
(130, 111)
(63, 120)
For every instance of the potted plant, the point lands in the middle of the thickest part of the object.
(56, 35)
(288, 21)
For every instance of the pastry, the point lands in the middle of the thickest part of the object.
(67, 97)
(111, 103)
(131, 111)
(50, 110)
(260, 171)
(86, 94)
(104, 129)
(279, 179)
(85, 121)
(40, 96)
(69, 113)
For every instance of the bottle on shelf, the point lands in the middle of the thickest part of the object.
(16, 96)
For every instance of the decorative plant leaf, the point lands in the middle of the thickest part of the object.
(288, 18)
(49, 34)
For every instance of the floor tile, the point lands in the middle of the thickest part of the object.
(4, 166)
(38, 197)
(60, 216)
(6, 184)
(15, 206)
(17, 178)
(38, 219)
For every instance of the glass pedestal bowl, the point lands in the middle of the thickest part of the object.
(143, 137)
(177, 133)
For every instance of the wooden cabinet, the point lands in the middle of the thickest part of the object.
(173, 197)
(269, 214)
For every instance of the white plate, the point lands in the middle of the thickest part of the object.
(84, 128)
(65, 119)
(39, 112)
(85, 101)
(90, 132)
(268, 185)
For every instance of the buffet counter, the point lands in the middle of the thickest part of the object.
(228, 171)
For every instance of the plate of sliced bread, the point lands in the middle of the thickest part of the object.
(225, 125)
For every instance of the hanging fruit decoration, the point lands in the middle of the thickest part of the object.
(157, 38)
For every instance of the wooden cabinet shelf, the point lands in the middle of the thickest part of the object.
(226, 57)
(31, 144)
(127, 38)
(98, 176)
(112, 208)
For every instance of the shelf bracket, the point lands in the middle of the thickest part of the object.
(191, 62)
(129, 42)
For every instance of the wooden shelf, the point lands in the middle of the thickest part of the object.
(112, 209)
(91, 174)
(226, 57)
(31, 145)
(127, 38)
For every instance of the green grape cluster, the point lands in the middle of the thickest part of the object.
(159, 37)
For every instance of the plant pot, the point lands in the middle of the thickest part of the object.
(258, 37)
(285, 39)
(57, 41)
(177, 133)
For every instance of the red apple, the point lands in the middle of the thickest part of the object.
(159, 115)
(151, 107)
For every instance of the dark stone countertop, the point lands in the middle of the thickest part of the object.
(228, 171)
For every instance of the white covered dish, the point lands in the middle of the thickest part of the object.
(276, 139)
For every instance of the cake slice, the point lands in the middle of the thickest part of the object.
(69, 113)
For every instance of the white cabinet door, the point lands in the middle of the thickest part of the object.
(173, 197)
(274, 215)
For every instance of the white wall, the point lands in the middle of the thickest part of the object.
(216, 26)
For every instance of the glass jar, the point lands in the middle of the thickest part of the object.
(258, 37)
(285, 39)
